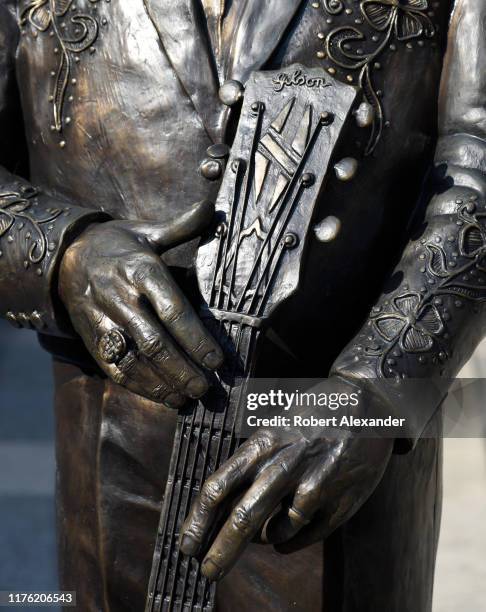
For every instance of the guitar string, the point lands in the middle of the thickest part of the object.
(279, 212)
(246, 196)
(186, 562)
(235, 412)
(278, 244)
(166, 569)
(275, 267)
(200, 408)
(233, 442)
(174, 582)
(220, 435)
(162, 535)
(172, 517)
(229, 230)
(271, 276)
(220, 291)
(180, 516)
(218, 255)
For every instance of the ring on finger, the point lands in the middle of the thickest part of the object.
(112, 346)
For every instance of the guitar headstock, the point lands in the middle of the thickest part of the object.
(290, 123)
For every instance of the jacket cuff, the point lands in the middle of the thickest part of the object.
(35, 231)
(425, 328)
(416, 401)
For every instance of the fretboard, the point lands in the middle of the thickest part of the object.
(205, 438)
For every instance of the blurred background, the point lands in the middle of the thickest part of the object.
(27, 479)
(27, 465)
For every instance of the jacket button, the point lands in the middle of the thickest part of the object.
(218, 151)
(231, 92)
(211, 169)
(12, 319)
(36, 319)
(328, 229)
(23, 319)
(365, 115)
(346, 168)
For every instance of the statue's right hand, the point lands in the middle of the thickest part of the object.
(130, 313)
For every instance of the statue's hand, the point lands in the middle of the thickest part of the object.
(130, 313)
(311, 485)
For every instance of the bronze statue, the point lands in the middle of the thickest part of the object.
(309, 124)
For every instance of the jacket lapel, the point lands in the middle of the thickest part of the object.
(255, 29)
(252, 31)
(182, 29)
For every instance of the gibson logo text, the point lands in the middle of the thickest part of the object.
(298, 78)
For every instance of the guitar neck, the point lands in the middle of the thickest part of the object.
(205, 438)
(246, 268)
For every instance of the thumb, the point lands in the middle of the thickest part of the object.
(180, 229)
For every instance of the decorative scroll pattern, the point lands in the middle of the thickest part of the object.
(16, 207)
(74, 34)
(389, 21)
(417, 322)
(333, 7)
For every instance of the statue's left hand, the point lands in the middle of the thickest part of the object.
(311, 485)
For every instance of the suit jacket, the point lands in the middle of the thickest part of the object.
(116, 103)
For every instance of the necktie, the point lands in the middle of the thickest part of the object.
(214, 11)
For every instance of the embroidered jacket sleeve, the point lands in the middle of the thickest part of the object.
(428, 326)
(34, 228)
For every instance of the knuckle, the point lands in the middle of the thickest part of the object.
(284, 467)
(119, 377)
(305, 491)
(236, 468)
(194, 531)
(179, 376)
(102, 290)
(212, 491)
(144, 270)
(242, 520)
(199, 347)
(98, 320)
(135, 323)
(127, 364)
(160, 392)
(151, 346)
(173, 312)
(266, 440)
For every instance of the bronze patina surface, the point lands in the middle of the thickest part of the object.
(122, 122)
